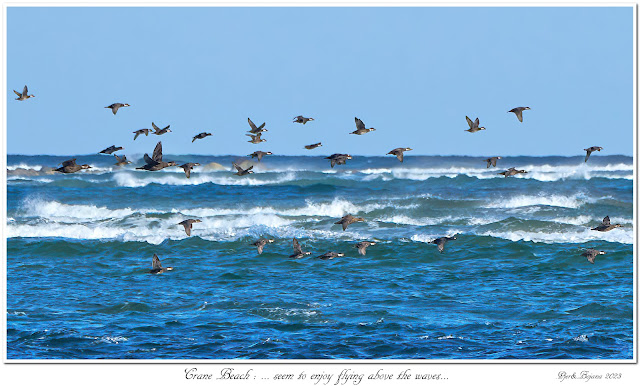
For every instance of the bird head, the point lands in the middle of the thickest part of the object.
(270, 240)
(126, 105)
(85, 166)
(340, 254)
(269, 153)
(602, 253)
(407, 149)
(197, 220)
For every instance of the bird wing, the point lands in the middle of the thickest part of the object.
(118, 158)
(362, 248)
(194, 139)
(187, 171)
(333, 162)
(253, 126)
(157, 152)
(156, 262)
(400, 156)
(114, 108)
(249, 168)
(262, 126)
(148, 159)
(69, 162)
(137, 134)
(359, 124)
(156, 128)
(440, 244)
(477, 122)
(469, 122)
(238, 168)
(345, 225)
(17, 93)
(519, 114)
(260, 248)
(259, 155)
(296, 246)
(187, 228)
(588, 154)
(606, 221)
(25, 90)
(493, 161)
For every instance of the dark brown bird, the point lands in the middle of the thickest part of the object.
(255, 129)
(259, 154)
(348, 220)
(309, 147)
(200, 136)
(606, 226)
(474, 126)
(591, 150)
(297, 250)
(141, 131)
(261, 243)
(492, 161)
(518, 112)
(330, 255)
(187, 225)
(155, 163)
(25, 94)
(399, 152)
(115, 106)
(256, 138)
(70, 166)
(338, 159)
(157, 267)
(121, 161)
(360, 128)
(363, 245)
(187, 168)
(301, 119)
(241, 171)
(512, 172)
(110, 149)
(158, 131)
(591, 254)
(440, 241)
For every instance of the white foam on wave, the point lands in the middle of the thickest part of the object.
(53, 210)
(615, 236)
(131, 180)
(574, 201)
(25, 167)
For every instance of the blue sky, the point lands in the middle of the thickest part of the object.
(411, 73)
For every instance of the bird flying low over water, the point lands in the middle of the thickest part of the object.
(330, 255)
(474, 125)
(25, 94)
(157, 267)
(158, 131)
(259, 154)
(591, 150)
(111, 149)
(348, 220)
(187, 168)
(241, 171)
(155, 163)
(256, 138)
(363, 245)
(255, 129)
(591, 254)
(141, 131)
(297, 250)
(518, 112)
(301, 119)
(115, 106)
(70, 166)
(121, 161)
(441, 241)
(606, 226)
(200, 136)
(491, 161)
(187, 224)
(512, 172)
(399, 152)
(338, 159)
(261, 243)
(313, 146)
(360, 128)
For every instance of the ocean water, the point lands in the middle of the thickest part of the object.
(512, 286)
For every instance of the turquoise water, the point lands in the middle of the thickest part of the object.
(512, 286)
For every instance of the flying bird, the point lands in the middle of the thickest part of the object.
(254, 128)
(25, 94)
(121, 161)
(187, 168)
(348, 220)
(259, 154)
(474, 126)
(518, 112)
(441, 241)
(591, 254)
(399, 152)
(313, 146)
(338, 159)
(512, 172)
(158, 131)
(330, 255)
(297, 250)
(360, 128)
(301, 119)
(261, 243)
(155, 162)
(187, 224)
(256, 138)
(110, 149)
(606, 226)
(591, 150)
(241, 171)
(70, 166)
(141, 131)
(115, 106)
(157, 267)
(491, 161)
(200, 136)
(363, 245)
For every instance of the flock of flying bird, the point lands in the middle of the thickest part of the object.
(155, 163)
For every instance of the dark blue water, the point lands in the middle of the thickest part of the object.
(512, 286)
